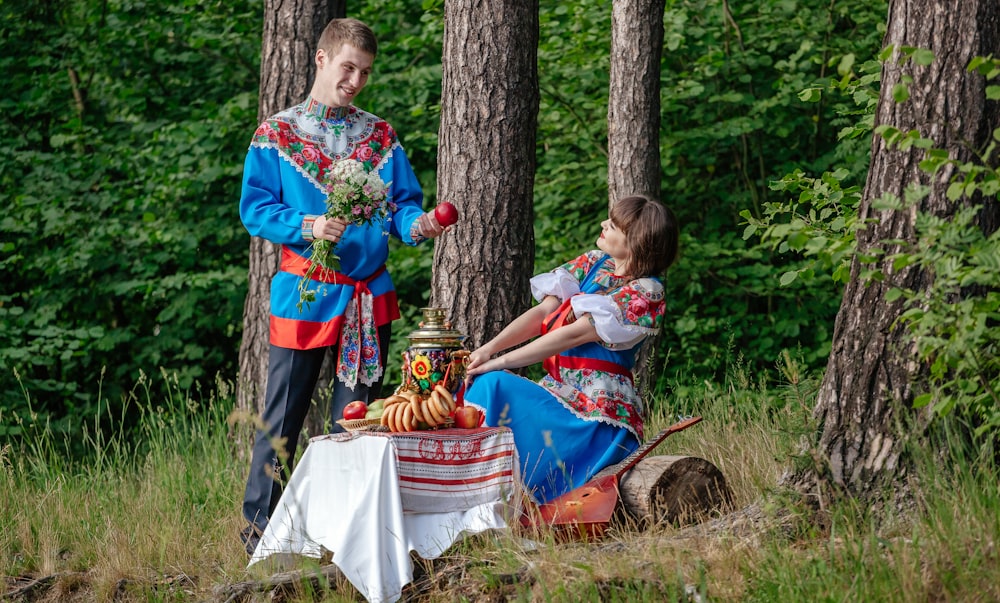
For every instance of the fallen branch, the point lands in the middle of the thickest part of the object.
(281, 583)
(25, 591)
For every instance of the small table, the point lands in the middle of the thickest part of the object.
(370, 498)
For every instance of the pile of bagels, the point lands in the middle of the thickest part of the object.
(408, 410)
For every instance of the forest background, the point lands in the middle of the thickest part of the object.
(126, 123)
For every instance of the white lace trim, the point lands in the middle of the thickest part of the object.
(558, 282)
(284, 157)
(562, 392)
(606, 316)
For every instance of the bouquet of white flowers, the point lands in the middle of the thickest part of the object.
(355, 195)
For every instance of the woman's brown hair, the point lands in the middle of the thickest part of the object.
(651, 234)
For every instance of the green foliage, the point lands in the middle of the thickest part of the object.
(952, 323)
(405, 90)
(123, 250)
(734, 121)
(123, 247)
(818, 222)
(571, 190)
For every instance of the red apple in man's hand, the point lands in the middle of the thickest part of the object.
(467, 417)
(355, 410)
(446, 214)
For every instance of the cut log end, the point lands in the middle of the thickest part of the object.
(674, 489)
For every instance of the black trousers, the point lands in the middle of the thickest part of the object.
(291, 379)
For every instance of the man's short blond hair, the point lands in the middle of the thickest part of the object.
(348, 31)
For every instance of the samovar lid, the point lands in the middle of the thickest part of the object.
(435, 331)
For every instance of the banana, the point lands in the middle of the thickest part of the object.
(384, 419)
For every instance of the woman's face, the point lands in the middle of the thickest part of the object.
(613, 242)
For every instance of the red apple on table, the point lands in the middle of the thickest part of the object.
(446, 214)
(467, 417)
(355, 410)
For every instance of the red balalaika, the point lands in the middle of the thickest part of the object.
(585, 512)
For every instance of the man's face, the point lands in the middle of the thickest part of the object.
(339, 78)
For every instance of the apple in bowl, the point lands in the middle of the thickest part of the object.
(355, 410)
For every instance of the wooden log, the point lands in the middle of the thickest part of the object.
(673, 489)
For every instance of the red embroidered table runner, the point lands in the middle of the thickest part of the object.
(454, 469)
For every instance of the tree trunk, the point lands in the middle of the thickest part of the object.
(291, 29)
(486, 163)
(634, 120)
(864, 404)
(634, 99)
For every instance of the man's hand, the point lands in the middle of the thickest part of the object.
(331, 230)
(430, 227)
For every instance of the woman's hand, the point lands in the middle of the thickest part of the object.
(330, 229)
(521, 329)
(477, 364)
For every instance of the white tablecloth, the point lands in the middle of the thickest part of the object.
(344, 497)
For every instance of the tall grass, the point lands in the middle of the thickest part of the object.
(144, 515)
(156, 517)
(945, 550)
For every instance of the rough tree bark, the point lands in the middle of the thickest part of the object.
(868, 388)
(291, 29)
(486, 163)
(634, 118)
(634, 99)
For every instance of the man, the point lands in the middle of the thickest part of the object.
(284, 201)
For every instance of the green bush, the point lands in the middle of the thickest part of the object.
(122, 245)
(123, 251)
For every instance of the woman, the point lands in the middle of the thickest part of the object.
(592, 316)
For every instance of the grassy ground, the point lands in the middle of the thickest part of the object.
(157, 520)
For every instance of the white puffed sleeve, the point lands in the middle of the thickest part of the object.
(607, 319)
(559, 283)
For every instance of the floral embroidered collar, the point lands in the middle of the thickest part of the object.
(324, 112)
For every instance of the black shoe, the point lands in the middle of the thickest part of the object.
(250, 537)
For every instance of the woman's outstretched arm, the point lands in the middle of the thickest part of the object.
(571, 335)
(521, 329)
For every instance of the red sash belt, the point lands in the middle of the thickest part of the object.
(294, 263)
(551, 364)
(362, 329)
